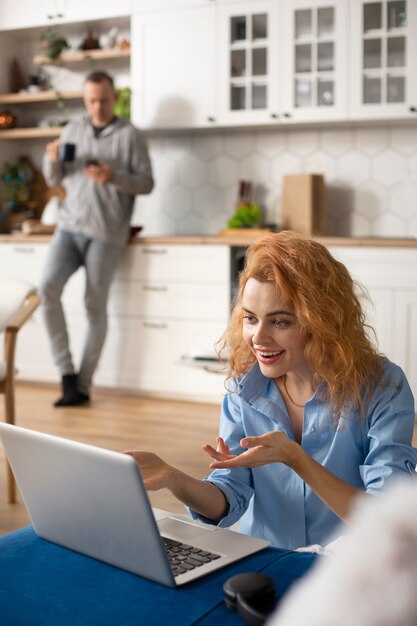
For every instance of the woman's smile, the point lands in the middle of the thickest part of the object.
(268, 357)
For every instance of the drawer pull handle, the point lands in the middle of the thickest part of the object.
(154, 250)
(154, 288)
(154, 325)
(24, 249)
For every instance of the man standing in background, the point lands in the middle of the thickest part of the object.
(110, 167)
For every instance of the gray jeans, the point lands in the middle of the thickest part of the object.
(69, 251)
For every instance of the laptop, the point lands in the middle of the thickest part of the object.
(93, 501)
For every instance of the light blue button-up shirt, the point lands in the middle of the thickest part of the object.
(272, 501)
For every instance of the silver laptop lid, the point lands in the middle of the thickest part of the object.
(88, 499)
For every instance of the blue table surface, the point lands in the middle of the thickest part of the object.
(43, 584)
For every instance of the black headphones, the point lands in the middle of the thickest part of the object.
(252, 596)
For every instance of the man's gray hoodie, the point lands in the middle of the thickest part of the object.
(101, 211)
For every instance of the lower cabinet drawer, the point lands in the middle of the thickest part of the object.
(149, 357)
(175, 300)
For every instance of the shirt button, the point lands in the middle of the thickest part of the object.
(312, 429)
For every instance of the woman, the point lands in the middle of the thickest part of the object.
(313, 416)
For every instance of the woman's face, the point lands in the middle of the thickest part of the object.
(271, 330)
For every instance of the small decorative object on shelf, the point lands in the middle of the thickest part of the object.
(109, 40)
(53, 43)
(90, 42)
(16, 80)
(124, 44)
(7, 120)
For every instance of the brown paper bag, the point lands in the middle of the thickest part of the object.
(303, 204)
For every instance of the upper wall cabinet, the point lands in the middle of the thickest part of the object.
(24, 14)
(229, 62)
(172, 65)
(79, 10)
(139, 6)
(384, 58)
(313, 61)
(283, 61)
(248, 62)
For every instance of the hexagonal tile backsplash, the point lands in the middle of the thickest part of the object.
(370, 174)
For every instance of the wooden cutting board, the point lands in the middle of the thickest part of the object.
(245, 233)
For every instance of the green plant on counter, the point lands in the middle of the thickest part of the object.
(246, 216)
(122, 106)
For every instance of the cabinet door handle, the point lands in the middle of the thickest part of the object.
(412, 109)
(154, 251)
(210, 118)
(160, 326)
(274, 116)
(23, 250)
(154, 288)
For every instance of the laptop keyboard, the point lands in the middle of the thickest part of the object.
(184, 558)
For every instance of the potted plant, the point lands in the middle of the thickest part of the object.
(53, 43)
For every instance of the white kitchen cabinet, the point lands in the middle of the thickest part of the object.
(168, 304)
(238, 63)
(25, 261)
(406, 334)
(283, 62)
(383, 59)
(23, 14)
(314, 73)
(147, 356)
(172, 67)
(80, 10)
(248, 62)
(140, 6)
(389, 276)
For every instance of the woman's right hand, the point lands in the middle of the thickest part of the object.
(200, 495)
(155, 472)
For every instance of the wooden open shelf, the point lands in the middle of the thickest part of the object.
(31, 133)
(39, 96)
(84, 55)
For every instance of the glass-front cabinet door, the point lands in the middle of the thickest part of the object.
(384, 64)
(248, 62)
(314, 68)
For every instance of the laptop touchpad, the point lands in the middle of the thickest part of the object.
(186, 531)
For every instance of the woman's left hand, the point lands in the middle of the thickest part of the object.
(272, 447)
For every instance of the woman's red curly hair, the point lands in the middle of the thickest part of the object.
(324, 298)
